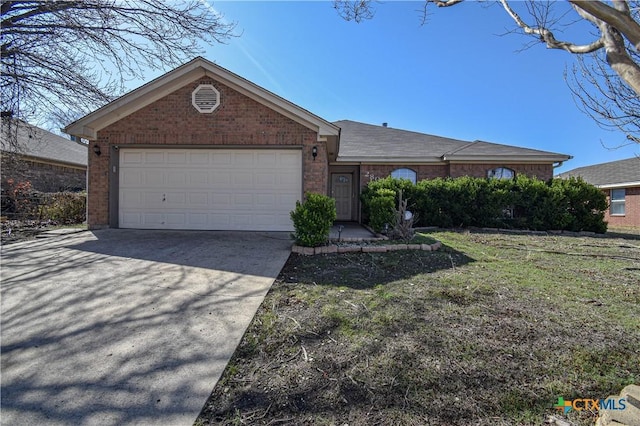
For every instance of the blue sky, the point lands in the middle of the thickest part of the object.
(457, 76)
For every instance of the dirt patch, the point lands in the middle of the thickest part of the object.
(489, 331)
(14, 231)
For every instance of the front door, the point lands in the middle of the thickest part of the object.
(341, 190)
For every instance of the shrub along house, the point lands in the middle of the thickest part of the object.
(203, 148)
(620, 181)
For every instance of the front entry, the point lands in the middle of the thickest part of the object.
(342, 192)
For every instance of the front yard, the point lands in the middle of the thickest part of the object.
(490, 330)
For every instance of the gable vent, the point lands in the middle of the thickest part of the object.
(205, 98)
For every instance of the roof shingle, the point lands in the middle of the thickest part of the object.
(611, 173)
(367, 142)
(38, 143)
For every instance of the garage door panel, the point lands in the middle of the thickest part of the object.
(127, 157)
(241, 179)
(176, 178)
(221, 158)
(153, 178)
(177, 158)
(198, 199)
(131, 177)
(154, 157)
(243, 159)
(197, 178)
(247, 189)
(266, 179)
(220, 178)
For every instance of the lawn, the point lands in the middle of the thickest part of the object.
(490, 330)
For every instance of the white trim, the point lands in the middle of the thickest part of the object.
(389, 160)
(619, 185)
(88, 126)
(507, 158)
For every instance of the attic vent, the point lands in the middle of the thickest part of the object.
(205, 98)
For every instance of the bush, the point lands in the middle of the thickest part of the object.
(382, 209)
(18, 199)
(570, 204)
(584, 203)
(312, 219)
(66, 207)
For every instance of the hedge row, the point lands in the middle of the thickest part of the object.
(520, 203)
(19, 201)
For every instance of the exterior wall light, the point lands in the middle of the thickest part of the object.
(314, 152)
(96, 149)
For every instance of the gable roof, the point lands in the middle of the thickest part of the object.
(619, 173)
(39, 144)
(88, 126)
(360, 142)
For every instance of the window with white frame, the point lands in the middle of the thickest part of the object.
(405, 173)
(501, 173)
(616, 207)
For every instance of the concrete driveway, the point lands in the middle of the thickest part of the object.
(126, 326)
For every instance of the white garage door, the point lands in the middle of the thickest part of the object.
(215, 189)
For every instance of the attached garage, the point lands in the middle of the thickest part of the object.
(202, 148)
(208, 189)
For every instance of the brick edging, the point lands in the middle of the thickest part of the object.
(333, 248)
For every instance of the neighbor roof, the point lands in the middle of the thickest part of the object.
(360, 142)
(606, 175)
(39, 144)
(89, 125)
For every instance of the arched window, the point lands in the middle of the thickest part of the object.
(404, 173)
(501, 173)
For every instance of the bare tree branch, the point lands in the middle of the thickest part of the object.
(547, 36)
(606, 81)
(62, 59)
(619, 19)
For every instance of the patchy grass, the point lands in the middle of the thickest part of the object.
(490, 331)
(418, 238)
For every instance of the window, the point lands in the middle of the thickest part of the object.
(404, 174)
(617, 202)
(501, 173)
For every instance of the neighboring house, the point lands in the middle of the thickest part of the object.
(620, 180)
(203, 148)
(50, 162)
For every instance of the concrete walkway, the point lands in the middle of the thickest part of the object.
(349, 230)
(126, 327)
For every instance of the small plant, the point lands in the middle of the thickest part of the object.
(312, 219)
(18, 199)
(66, 207)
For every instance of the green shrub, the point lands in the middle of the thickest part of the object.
(381, 208)
(312, 219)
(568, 204)
(65, 207)
(584, 203)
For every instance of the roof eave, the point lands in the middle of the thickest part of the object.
(88, 126)
(389, 160)
(508, 158)
(618, 185)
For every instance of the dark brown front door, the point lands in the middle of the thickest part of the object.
(342, 192)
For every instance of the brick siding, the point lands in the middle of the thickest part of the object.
(44, 177)
(172, 120)
(631, 208)
(541, 171)
(426, 171)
